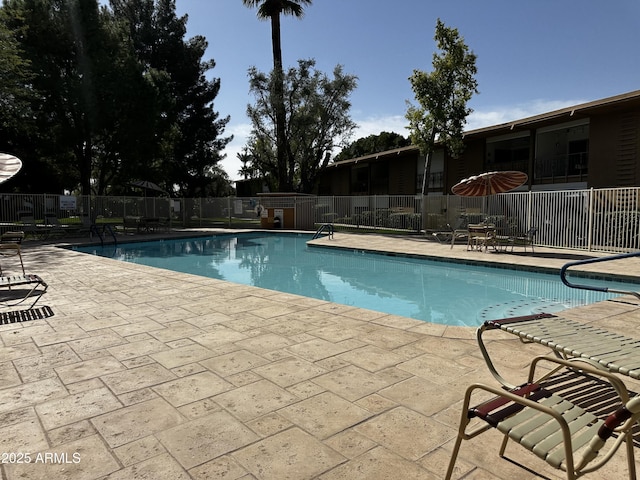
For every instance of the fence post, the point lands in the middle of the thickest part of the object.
(590, 221)
(529, 207)
(374, 218)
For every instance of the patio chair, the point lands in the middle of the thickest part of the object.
(53, 226)
(10, 245)
(450, 235)
(11, 296)
(453, 233)
(525, 240)
(30, 228)
(562, 430)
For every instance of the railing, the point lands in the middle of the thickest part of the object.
(560, 168)
(606, 220)
(101, 230)
(326, 228)
(565, 268)
(378, 211)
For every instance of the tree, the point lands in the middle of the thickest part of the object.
(15, 78)
(247, 170)
(271, 10)
(372, 144)
(187, 131)
(68, 51)
(16, 97)
(317, 118)
(443, 95)
(113, 94)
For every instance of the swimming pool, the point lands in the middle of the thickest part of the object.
(434, 291)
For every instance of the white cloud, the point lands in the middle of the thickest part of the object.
(503, 114)
(376, 125)
(231, 164)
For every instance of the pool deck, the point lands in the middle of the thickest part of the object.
(144, 373)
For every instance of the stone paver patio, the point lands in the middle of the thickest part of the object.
(144, 373)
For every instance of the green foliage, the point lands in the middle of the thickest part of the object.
(116, 94)
(372, 144)
(15, 77)
(317, 119)
(247, 170)
(268, 8)
(442, 95)
(271, 9)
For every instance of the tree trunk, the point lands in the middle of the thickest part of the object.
(281, 143)
(427, 162)
(425, 178)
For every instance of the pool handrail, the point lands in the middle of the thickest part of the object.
(328, 227)
(563, 273)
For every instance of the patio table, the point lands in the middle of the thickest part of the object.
(481, 236)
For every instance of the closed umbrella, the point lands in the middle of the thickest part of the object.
(146, 185)
(489, 183)
(9, 166)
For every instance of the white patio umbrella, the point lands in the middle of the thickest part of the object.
(9, 166)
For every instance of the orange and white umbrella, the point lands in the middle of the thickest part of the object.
(489, 183)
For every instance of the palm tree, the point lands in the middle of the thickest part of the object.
(271, 9)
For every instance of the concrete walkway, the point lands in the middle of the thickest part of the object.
(149, 374)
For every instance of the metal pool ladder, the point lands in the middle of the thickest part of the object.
(100, 231)
(326, 228)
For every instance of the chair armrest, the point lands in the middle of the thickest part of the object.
(585, 366)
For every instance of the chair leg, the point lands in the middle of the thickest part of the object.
(630, 455)
(454, 457)
(21, 264)
(503, 447)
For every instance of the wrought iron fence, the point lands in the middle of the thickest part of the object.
(598, 220)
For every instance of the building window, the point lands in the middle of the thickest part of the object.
(508, 152)
(562, 152)
(380, 178)
(360, 180)
(436, 171)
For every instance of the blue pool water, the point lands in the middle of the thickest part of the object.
(439, 292)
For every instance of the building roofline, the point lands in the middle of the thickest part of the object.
(375, 156)
(572, 111)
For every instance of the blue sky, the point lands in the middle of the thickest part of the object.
(532, 56)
